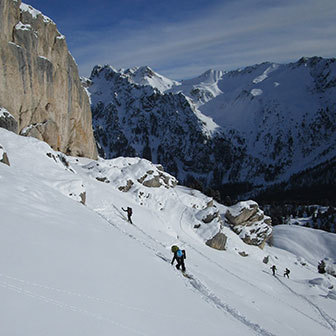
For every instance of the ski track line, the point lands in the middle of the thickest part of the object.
(234, 275)
(211, 298)
(158, 254)
(68, 307)
(330, 321)
(88, 297)
(200, 287)
(197, 285)
(254, 287)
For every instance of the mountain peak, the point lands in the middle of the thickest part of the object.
(211, 75)
(144, 75)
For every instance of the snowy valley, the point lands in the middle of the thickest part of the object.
(74, 269)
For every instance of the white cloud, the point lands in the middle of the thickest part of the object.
(228, 36)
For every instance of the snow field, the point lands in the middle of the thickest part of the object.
(70, 269)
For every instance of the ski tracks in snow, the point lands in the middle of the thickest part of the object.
(331, 322)
(62, 305)
(211, 298)
(206, 293)
(195, 283)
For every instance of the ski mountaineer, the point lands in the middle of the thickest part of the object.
(129, 213)
(179, 256)
(273, 268)
(287, 271)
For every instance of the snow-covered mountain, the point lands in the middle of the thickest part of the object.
(260, 124)
(285, 113)
(146, 76)
(134, 120)
(202, 88)
(72, 269)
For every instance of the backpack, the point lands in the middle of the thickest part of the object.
(179, 254)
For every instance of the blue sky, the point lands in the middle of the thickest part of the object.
(181, 39)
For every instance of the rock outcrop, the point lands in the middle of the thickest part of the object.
(39, 81)
(250, 223)
(3, 156)
(131, 173)
(7, 121)
(218, 242)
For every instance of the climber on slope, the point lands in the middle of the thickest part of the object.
(129, 213)
(179, 256)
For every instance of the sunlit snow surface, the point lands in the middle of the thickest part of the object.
(70, 269)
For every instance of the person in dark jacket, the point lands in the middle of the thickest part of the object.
(179, 256)
(273, 268)
(129, 213)
(287, 271)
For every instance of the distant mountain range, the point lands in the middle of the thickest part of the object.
(258, 126)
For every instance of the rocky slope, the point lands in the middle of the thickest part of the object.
(39, 82)
(261, 124)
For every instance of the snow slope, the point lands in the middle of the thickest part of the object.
(73, 269)
(144, 75)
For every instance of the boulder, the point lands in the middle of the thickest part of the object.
(266, 260)
(82, 197)
(243, 254)
(250, 223)
(218, 242)
(241, 212)
(3, 156)
(127, 187)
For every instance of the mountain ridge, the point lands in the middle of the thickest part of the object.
(268, 121)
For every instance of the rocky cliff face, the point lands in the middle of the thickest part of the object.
(39, 81)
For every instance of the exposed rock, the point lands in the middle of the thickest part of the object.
(210, 217)
(243, 254)
(73, 189)
(155, 182)
(103, 179)
(127, 187)
(52, 156)
(218, 242)
(7, 121)
(3, 156)
(266, 260)
(250, 223)
(244, 215)
(49, 101)
(83, 197)
(157, 179)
